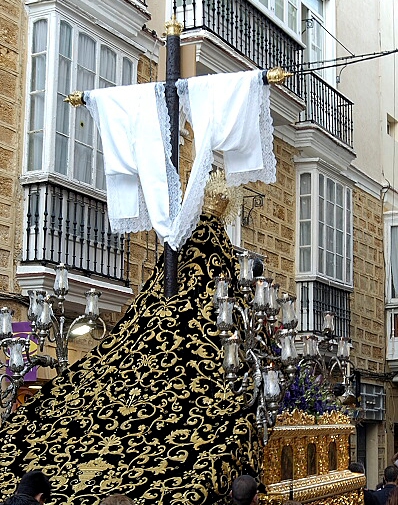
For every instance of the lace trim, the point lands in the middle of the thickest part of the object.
(189, 216)
(260, 93)
(91, 106)
(183, 94)
(131, 224)
(173, 179)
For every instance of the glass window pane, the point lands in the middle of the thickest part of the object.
(63, 111)
(64, 76)
(85, 79)
(339, 242)
(280, 9)
(321, 236)
(339, 267)
(61, 154)
(330, 214)
(329, 264)
(321, 185)
(65, 40)
(330, 190)
(35, 151)
(305, 259)
(305, 184)
(339, 195)
(84, 126)
(39, 43)
(86, 53)
(292, 16)
(83, 163)
(127, 72)
(394, 261)
(348, 199)
(329, 238)
(315, 5)
(36, 120)
(108, 64)
(321, 210)
(348, 278)
(100, 172)
(305, 233)
(339, 218)
(38, 77)
(321, 261)
(305, 207)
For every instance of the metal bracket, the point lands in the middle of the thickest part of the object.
(257, 200)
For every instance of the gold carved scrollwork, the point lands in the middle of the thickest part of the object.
(318, 444)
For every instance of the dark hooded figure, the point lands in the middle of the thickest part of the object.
(34, 489)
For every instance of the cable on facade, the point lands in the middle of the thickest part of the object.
(345, 60)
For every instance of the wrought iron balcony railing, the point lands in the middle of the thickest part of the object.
(328, 108)
(314, 298)
(66, 226)
(247, 30)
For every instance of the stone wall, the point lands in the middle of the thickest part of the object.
(271, 230)
(12, 31)
(367, 300)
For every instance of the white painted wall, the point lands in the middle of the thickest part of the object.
(370, 26)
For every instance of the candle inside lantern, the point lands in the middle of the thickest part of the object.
(61, 284)
(5, 322)
(92, 308)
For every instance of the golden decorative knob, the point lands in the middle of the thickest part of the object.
(75, 99)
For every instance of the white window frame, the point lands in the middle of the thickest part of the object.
(54, 14)
(390, 221)
(314, 273)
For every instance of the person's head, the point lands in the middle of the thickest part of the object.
(391, 474)
(356, 467)
(35, 484)
(117, 499)
(244, 491)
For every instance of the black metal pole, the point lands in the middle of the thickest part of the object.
(173, 32)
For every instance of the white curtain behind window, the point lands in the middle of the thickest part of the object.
(394, 261)
(37, 95)
(127, 72)
(84, 126)
(107, 68)
(63, 108)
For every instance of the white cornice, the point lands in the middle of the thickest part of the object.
(364, 182)
(313, 142)
(117, 16)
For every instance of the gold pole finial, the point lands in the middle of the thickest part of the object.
(75, 99)
(277, 75)
(174, 27)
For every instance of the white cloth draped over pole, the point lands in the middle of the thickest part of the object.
(228, 113)
(143, 187)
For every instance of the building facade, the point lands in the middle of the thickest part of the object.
(328, 226)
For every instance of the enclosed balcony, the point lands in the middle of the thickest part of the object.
(257, 40)
(62, 225)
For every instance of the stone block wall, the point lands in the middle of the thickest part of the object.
(271, 230)
(367, 300)
(12, 33)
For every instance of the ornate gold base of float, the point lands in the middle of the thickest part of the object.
(307, 458)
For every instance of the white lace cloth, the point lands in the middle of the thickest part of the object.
(143, 187)
(228, 112)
